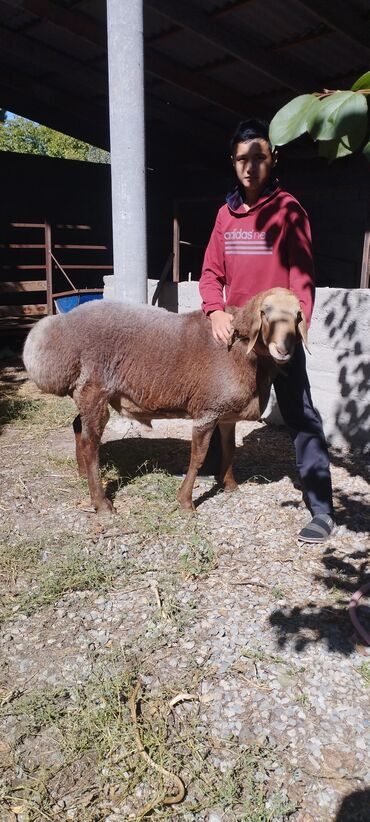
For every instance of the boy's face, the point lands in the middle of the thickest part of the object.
(253, 162)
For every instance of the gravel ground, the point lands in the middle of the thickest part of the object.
(227, 607)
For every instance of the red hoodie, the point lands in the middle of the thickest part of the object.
(252, 251)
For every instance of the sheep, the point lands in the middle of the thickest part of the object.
(148, 363)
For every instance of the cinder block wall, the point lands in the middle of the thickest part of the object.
(339, 366)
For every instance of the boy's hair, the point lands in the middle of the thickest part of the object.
(250, 129)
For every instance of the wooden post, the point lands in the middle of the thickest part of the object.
(176, 249)
(365, 268)
(49, 269)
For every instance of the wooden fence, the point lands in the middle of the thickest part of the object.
(28, 274)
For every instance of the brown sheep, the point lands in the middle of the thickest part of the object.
(149, 363)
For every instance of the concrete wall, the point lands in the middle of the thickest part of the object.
(339, 367)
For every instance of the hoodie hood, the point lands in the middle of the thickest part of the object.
(235, 199)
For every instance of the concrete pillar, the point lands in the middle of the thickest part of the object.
(126, 107)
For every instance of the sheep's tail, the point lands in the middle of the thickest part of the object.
(49, 358)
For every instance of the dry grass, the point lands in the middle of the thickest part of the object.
(37, 573)
(91, 724)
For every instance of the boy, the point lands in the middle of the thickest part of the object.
(262, 239)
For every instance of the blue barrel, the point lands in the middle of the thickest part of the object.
(65, 302)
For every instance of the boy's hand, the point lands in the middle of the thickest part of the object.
(222, 327)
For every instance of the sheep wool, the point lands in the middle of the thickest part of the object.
(149, 363)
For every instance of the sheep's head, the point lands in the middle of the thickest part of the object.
(272, 320)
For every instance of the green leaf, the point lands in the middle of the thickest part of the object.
(366, 151)
(337, 115)
(362, 82)
(291, 121)
(334, 149)
(345, 147)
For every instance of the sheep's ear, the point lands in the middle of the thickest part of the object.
(248, 320)
(302, 328)
(254, 330)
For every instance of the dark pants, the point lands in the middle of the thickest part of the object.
(304, 425)
(303, 422)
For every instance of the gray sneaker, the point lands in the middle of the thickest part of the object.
(318, 530)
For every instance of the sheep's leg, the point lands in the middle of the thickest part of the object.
(94, 415)
(226, 476)
(201, 437)
(77, 427)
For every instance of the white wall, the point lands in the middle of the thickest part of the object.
(339, 368)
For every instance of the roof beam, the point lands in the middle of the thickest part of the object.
(217, 12)
(45, 57)
(72, 21)
(199, 85)
(222, 11)
(315, 34)
(280, 69)
(341, 17)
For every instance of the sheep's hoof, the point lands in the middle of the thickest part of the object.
(105, 508)
(227, 484)
(230, 486)
(187, 509)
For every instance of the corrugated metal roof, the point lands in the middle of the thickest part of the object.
(239, 75)
(209, 58)
(65, 42)
(196, 51)
(333, 55)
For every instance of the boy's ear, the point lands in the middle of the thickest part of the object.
(254, 330)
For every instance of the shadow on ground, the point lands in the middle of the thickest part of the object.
(331, 624)
(263, 458)
(267, 455)
(12, 376)
(352, 511)
(313, 624)
(355, 807)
